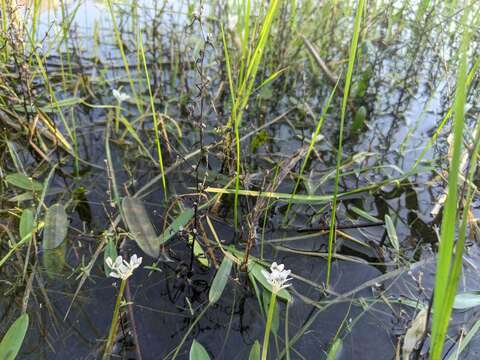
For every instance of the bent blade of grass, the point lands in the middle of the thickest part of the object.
(448, 270)
(351, 62)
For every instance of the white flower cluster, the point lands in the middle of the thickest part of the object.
(120, 96)
(278, 277)
(121, 269)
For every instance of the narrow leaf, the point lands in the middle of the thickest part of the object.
(56, 227)
(198, 352)
(467, 300)
(177, 224)
(392, 233)
(23, 182)
(220, 280)
(13, 339)
(255, 352)
(26, 224)
(140, 227)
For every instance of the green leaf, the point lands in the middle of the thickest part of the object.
(109, 252)
(53, 260)
(56, 227)
(467, 300)
(335, 350)
(26, 224)
(359, 119)
(220, 280)
(363, 214)
(198, 352)
(177, 224)
(392, 233)
(198, 251)
(23, 182)
(13, 339)
(255, 352)
(140, 227)
(255, 270)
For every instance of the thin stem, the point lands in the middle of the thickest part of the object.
(271, 309)
(113, 327)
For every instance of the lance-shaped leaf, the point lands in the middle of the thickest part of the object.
(13, 339)
(26, 224)
(220, 280)
(198, 352)
(140, 226)
(23, 182)
(56, 227)
(178, 223)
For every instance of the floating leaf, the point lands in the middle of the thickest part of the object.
(467, 300)
(198, 352)
(26, 224)
(335, 350)
(255, 270)
(140, 227)
(392, 233)
(255, 352)
(56, 227)
(178, 223)
(13, 339)
(220, 280)
(109, 252)
(23, 182)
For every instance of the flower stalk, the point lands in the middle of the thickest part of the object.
(114, 325)
(266, 336)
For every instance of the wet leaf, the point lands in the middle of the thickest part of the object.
(467, 300)
(255, 270)
(13, 339)
(255, 352)
(23, 182)
(359, 119)
(220, 280)
(56, 227)
(414, 333)
(363, 214)
(26, 224)
(392, 233)
(267, 295)
(335, 350)
(109, 252)
(140, 227)
(178, 223)
(198, 251)
(198, 352)
(53, 260)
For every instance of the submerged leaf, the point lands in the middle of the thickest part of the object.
(255, 270)
(140, 227)
(392, 233)
(56, 227)
(220, 280)
(13, 339)
(23, 182)
(178, 223)
(53, 260)
(467, 300)
(198, 352)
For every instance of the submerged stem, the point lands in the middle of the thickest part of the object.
(266, 336)
(114, 325)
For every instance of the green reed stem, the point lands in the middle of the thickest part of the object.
(266, 336)
(351, 62)
(114, 325)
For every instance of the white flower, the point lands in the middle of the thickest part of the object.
(278, 277)
(121, 269)
(120, 96)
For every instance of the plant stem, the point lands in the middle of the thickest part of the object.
(113, 327)
(271, 309)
